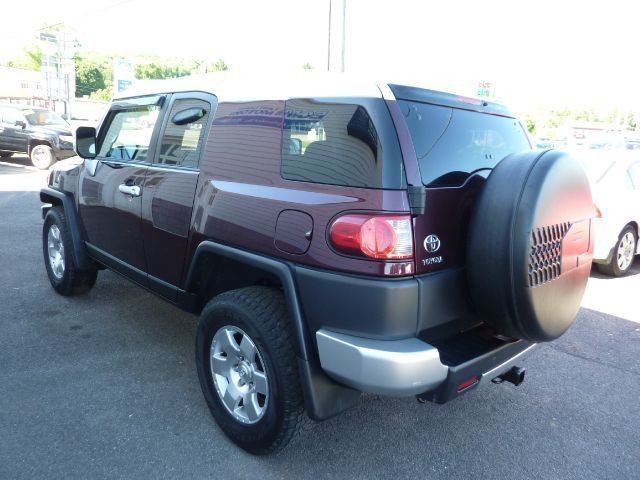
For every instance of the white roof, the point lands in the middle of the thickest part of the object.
(247, 86)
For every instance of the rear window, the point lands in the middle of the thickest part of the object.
(350, 144)
(451, 143)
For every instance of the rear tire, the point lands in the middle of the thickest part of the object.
(42, 156)
(253, 389)
(623, 254)
(64, 275)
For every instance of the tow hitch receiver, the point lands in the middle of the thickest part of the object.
(515, 375)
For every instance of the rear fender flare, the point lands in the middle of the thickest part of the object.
(323, 397)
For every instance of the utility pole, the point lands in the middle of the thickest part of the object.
(344, 24)
(336, 37)
(329, 40)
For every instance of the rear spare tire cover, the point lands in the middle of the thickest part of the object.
(530, 247)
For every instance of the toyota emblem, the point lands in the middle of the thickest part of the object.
(431, 243)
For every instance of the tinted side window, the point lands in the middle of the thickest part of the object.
(9, 116)
(129, 132)
(452, 143)
(182, 139)
(340, 144)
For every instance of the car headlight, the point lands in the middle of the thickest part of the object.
(66, 138)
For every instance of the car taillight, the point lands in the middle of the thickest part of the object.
(375, 236)
(597, 211)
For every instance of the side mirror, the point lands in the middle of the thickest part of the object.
(21, 124)
(189, 115)
(86, 142)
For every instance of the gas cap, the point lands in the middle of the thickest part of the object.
(294, 230)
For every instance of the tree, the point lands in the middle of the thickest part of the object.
(307, 66)
(219, 66)
(31, 59)
(530, 124)
(94, 75)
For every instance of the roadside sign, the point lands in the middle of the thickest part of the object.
(124, 74)
(486, 89)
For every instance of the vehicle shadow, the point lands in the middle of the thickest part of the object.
(17, 160)
(635, 270)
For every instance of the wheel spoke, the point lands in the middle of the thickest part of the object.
(260, 382)
(252, 407)
(239, 374)
(229, 344)
(231, 397)
(220, 365)
(248, 349)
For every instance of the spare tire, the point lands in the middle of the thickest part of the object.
(530, 247)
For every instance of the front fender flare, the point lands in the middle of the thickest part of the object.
(51, 196)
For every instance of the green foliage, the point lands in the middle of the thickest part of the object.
(94, 71)
(31, 59)
(530, 123)
(219, 66)
(94, 75)
(307, 66)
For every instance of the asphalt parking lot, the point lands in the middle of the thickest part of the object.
(104, 386)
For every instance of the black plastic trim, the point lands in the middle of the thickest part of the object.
(417, 199)
(184, 300)
(323, 397)
(491, 363)
(380, 308)
(80, 257)
(131, 273)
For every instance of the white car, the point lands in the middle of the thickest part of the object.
(615, 183)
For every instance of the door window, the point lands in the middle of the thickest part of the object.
(129, 133)
(183, 136)
(9, 116)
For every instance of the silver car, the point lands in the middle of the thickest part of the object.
(615, 181)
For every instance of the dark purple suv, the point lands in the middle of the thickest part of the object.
(335, 236)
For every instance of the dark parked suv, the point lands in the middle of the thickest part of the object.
(40, 133)
(335, 236)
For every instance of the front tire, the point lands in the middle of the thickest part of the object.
(623, 254)
(64, 275)
(42, 156)
(247, 368)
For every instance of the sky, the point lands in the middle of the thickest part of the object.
(554, 52)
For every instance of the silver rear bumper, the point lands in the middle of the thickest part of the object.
(387, 367)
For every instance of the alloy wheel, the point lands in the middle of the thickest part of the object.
(239, 374)
(626, 251)
(55, 249)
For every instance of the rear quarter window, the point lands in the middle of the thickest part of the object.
(350, 144)
(452, 143)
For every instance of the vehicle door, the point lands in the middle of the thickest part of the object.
(13, 135)
(170, 186)
(111, 185)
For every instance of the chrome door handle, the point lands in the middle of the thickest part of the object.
(132, 190)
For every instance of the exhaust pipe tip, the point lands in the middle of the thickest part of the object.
(514, 375)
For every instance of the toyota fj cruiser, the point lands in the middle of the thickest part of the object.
(335, 236)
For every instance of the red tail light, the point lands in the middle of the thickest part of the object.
(375, 236)
(598, 212)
